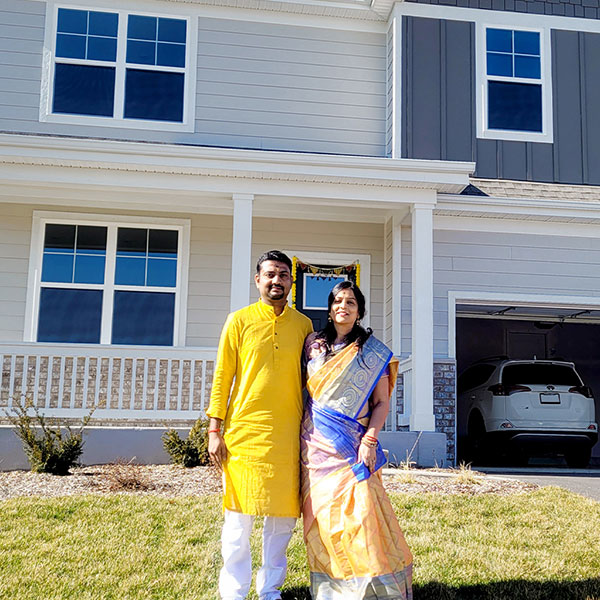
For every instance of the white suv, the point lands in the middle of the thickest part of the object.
(526, 407)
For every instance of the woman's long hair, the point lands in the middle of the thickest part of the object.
(358, 333)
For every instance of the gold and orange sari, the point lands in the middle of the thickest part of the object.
(356, 550)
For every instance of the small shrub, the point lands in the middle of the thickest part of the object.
(127, 476)
(191, 452)
(53, 452)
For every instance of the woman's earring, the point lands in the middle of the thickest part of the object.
(330, 319)
(357, 322)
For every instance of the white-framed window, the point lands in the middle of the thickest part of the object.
(514, 87)
(118, 68)
(97, 279)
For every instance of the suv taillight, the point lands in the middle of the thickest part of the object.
(506, 390)
(584, 390)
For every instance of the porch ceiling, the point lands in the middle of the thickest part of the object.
(133, 175)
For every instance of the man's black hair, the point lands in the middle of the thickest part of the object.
(274, 255)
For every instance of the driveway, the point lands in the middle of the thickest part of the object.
(581, 481)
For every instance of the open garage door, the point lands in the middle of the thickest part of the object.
(495, 332)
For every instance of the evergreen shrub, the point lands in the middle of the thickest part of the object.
(191, 452)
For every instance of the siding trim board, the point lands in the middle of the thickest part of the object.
(505, 18)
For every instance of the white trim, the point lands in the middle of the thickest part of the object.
(422, 416)
(41, 218)
(223, 169)
(482, 79)
(396, 26)
(120, 65)
(515, 225)
(533, 300)
(335, 259)
(397, 285)
(497, 17)
(241, 251)
(347, 16)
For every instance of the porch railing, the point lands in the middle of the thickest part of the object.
(398, 415)
(122, 383)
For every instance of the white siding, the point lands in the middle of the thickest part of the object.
(15, 236)
(327, 236)
(259, 86)
(210, 279)
(510, 263)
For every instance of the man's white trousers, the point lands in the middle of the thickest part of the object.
(236, 574)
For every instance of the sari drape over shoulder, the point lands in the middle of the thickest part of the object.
(356, 549)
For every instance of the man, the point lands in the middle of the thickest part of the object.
(258, 449)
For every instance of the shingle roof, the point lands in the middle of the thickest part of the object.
(502, 188)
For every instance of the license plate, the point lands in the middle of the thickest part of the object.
(549, 398)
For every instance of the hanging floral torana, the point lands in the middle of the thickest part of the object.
(322, 272)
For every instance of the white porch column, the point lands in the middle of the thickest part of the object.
(397, 285)
(241, 251)
(421, 414)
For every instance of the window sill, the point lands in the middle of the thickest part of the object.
(146, 125)
(515, 136)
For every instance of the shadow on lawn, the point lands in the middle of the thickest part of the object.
(587, 589)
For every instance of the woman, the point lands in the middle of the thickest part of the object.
(355, 547)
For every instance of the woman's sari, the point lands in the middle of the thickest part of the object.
(355, 547)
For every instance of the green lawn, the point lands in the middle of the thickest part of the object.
(543, 545)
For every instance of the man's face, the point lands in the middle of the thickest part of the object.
(274, 281)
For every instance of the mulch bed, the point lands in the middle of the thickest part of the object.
(174, 481)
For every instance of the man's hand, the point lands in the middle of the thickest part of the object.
(217, 450)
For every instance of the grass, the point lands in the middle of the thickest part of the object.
(543, 545)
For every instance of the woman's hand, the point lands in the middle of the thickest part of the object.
(368, 456)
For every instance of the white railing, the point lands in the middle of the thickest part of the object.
(119, 382)
(398, 414)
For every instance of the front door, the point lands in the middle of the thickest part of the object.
(312, 284)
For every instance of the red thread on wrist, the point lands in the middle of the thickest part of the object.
(214, 431)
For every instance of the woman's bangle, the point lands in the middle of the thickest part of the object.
(214, 431)
(370, 438)
(369, 443)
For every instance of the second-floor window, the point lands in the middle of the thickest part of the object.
(119, 68)
(515, 87)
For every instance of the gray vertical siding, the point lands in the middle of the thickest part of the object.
(438, 120)
(259, 86)
(439, 106)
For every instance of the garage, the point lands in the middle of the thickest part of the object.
(493, 332)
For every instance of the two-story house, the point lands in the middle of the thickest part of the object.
(444, 154)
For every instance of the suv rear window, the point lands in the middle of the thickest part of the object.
(542, 374)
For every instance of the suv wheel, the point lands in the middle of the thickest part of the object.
(478, 447)
(578, 458)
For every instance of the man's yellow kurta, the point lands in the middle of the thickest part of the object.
(262, 353)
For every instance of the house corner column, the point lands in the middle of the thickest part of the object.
(421, 413)
(241, 251)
